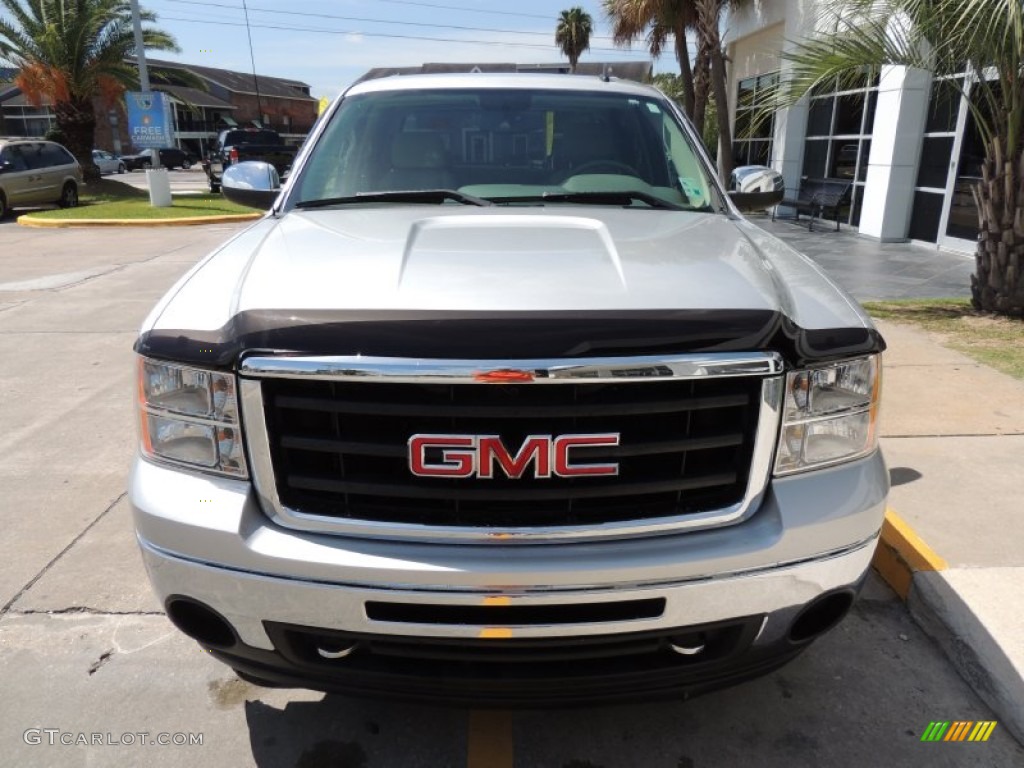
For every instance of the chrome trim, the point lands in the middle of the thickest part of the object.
(684, 650)
(248, 599)
(324, 653)
(596, 370)
(769, 418)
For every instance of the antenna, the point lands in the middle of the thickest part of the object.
(252, 58)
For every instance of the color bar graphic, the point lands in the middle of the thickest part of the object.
(958, 730)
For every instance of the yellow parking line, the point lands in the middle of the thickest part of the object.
(490, 739)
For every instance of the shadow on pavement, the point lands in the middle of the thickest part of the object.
(342, 732)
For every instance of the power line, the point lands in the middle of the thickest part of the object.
(356, 33)
(470, 10)
(369, 20)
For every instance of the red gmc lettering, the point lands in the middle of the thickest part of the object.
(469, 455)
(565, 443)
(536, 448)
(454, 463)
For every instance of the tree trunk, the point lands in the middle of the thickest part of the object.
(701, 88)
(707, 20)
(998, 282)
(77, 121)
(685, 71)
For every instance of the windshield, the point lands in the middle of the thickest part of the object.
(507, 146)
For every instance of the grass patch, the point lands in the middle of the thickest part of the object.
(990, 339)
(108, 199)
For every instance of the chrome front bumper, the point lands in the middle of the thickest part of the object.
(205, 538)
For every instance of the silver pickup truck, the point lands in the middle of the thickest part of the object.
(505, 401)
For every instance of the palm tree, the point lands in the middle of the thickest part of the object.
(657, 20)
(661, 18)
(985, 37)
(73, 52)
(572, 35)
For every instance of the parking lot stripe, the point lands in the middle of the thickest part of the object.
(490, 739)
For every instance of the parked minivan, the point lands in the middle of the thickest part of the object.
(34, 171)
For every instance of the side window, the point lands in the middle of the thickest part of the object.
(13, 156)
(54, 154)
(33, 154)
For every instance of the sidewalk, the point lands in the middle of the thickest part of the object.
(953, 436)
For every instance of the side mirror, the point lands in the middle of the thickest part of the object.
(252, 183)
(756, 187)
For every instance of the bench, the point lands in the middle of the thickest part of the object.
(818, 197)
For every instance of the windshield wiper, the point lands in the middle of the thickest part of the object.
(594, 198)
(398, 196)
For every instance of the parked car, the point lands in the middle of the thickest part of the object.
(170, 157)
(108, 162)
(506, 401)
(33, 172)
(238, 145)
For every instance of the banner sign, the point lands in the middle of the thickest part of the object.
(149, 119)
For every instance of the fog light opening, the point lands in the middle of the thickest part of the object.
(200, 622)
(332, 649)
(820, 616)
(688, 645)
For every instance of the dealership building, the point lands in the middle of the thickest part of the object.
(904, 140)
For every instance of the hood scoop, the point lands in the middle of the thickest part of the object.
(502, 259)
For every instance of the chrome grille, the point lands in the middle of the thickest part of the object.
(334, 447)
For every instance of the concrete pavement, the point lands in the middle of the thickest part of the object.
(953, 435)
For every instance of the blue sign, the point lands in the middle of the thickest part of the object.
(149, 119)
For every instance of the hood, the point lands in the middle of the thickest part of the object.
(544, 281)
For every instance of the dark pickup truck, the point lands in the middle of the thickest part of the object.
(237, 145)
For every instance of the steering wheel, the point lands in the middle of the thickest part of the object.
(608, 166)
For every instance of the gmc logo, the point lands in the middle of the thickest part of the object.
(478, 455)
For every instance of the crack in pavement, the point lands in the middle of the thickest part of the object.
(31, 583)
(103, 659)
(80, 609)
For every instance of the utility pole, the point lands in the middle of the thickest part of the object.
(140, 55)
(140, 49)
(252, 59)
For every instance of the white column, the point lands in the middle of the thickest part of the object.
(895, 151)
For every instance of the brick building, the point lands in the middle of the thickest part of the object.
(229, 99)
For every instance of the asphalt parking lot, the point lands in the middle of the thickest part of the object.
(86, 650)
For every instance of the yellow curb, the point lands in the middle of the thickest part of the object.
(901, 553)
(28, 221)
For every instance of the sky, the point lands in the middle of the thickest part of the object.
(330, 43)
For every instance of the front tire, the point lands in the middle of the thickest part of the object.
(186, 164)
(121, 168)
(68, 196)
(3, 206)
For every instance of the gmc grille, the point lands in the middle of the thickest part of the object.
(338, 449)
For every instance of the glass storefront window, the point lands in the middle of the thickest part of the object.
(752, 131)
(838, 137)
(849, 114)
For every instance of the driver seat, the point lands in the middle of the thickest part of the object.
(418, 161)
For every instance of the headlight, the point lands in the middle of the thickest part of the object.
(189, 416)
(830, 415)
